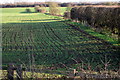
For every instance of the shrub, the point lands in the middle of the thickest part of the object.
(66, 15)
(28, 10)
(40, 9)
(37, 8)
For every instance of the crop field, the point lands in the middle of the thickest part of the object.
(49, 40)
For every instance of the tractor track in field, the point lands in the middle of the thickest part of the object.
(52, 37)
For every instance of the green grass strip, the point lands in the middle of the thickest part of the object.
(96, 34)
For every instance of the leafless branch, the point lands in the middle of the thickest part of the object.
(66, 66)
(75, 60)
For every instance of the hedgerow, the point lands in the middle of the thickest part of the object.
(98, 17)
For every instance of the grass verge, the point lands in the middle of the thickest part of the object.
(93, 33)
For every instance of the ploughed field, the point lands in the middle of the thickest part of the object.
(49, 40)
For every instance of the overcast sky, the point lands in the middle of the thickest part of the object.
(12, 1)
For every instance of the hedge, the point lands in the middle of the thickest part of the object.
(99, 17)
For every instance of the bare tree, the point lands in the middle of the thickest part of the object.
(69, 6)
(67, 14)
(80, 67)
(54, 8)
(106, 63)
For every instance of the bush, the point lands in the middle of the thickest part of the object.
(28, 10)
(66, 15)
(37, 8)
(40, 9)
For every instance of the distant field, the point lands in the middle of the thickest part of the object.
(48, 39)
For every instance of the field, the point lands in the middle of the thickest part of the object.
(49, 41)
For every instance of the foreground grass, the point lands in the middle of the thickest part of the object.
(29, 75)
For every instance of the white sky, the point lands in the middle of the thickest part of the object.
(12, 1)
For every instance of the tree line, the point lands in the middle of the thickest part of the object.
(31, 4)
